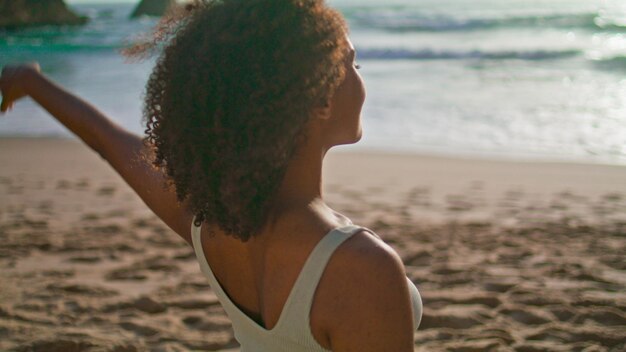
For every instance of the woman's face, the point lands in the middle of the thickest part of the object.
(344, 124)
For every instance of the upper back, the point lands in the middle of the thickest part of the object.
(278, 287)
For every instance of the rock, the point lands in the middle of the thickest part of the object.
(152, 8)
(25, 13)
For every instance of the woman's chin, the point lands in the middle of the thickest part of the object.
(345, 138)
(358, 135)
(352, 140)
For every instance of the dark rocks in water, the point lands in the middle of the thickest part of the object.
(28, 13)
(152, 8)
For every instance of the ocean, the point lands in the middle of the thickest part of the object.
(506, 79)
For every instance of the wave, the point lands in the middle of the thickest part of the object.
(416, 22)
(430, 54)
(614, 63)
(63, 40)
(609, 25)
(41, 47)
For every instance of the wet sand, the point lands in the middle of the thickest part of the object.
(508, 256)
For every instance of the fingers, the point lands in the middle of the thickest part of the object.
(6, 108)
(5, 82)
(35, 66)
(11, 83)
(5, 101)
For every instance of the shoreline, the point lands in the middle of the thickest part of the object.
(462, 189)
(432, 153)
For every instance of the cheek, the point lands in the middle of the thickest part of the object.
(340, 101)
(347, 102)
(357, 94)
(362, 90)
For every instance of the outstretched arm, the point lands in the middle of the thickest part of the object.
(120, 148)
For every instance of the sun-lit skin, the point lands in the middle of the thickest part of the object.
(337, 123)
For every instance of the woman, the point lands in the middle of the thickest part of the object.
(243, 104)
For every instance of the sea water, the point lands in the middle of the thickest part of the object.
(530, 79)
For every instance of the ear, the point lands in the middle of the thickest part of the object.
(322, 112)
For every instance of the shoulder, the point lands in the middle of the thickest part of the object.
(366, 297)
(364, 252)
(368, 261)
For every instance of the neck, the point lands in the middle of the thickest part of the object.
(302, 184)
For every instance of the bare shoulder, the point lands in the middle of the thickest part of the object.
(366, 299)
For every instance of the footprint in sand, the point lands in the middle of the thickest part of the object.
(211, 323)
(497, 286)
(58, 273)
(148, 305)
(420, 258)
(106, 191)
(144, 304)
(82, 184)
(563, 314)
(85, 259)
(125, 274)
(498, 334)
(57, 345)
(139, 329)
(602, 316)
(63, 184)
(461, 319)
(80, 289)
(613, 197)
(193, 303)
(458, 203)
(526, 315)
(471, 299)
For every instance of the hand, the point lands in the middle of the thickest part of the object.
(12, 83)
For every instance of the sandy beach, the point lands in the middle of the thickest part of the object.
(508, 256)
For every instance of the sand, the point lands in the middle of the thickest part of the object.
(508, 256)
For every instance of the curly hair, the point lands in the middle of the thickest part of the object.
(229, 98)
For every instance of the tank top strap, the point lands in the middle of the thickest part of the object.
(298, 306)
(196, 240)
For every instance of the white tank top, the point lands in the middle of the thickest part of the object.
(292, 332)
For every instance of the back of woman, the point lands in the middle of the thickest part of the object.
(245, 100)
(284, 291)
